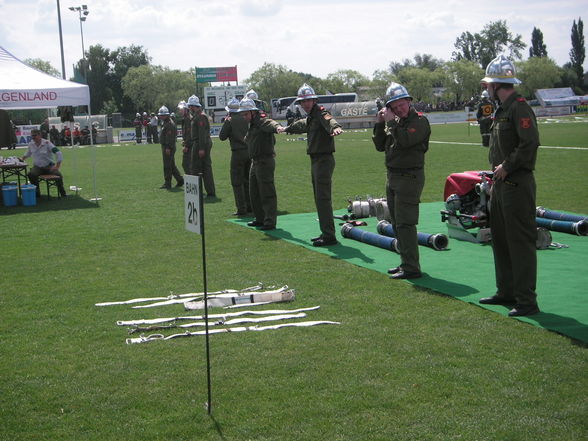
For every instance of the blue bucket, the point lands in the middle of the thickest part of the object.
(9, 195)
(29, 194)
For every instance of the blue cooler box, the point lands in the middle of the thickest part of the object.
(9, 195)
(29, 194)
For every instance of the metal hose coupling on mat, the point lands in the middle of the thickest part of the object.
(438, 241)
(377, 240)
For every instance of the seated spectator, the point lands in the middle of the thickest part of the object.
(46, 160)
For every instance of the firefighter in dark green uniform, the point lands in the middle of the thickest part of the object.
(514, 140)
(168, 150)
(201, 161)
(234, 129)
(186, 139)
(484, 117)
(321, 128)
(260, 142)
(403, 134)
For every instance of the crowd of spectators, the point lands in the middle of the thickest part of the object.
(443, 106)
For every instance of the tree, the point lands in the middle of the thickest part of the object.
(494, 39)
(275, 81)
(43, 66)
(538, 48)
(578, 51)
(345, 80)
(462, 79)
(121, 60)
(150, 87)
(537, 73)
(418, 82)
(97, 76)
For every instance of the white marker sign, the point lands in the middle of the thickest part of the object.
(192, 206)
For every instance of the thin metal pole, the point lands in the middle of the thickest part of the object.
(209, 402)
(61, 41)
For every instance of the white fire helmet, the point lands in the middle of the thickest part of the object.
(194, 101)
(395, 92)
(247, 104)
(306, 93)
(232, 105)
(500, 70)
(251, 94)
(182, 105)
(163, 111)
(137, 115)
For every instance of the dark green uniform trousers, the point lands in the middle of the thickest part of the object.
(322, 168)
(240, 166)
(403, 194)
(187, 161)
(262, 191)
(204, 166)
(514, 237)
(169, 167)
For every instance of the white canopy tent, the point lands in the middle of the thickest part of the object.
(23, 87)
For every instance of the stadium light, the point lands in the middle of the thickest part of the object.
(83, 14)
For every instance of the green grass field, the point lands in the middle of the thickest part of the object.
(405, 363)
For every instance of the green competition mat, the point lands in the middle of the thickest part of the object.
(465, 270)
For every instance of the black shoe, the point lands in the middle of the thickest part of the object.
(210, 196)
(267, 227)
(523, 310)
(322, 242)
(406, 275)
(165, 187)
(394, 270)
(254, 224)
(496, 300)
(314, 239)
(239, 213)
(180, 183)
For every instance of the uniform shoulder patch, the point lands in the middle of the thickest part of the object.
(525, 123)
(420, 113)
(411, 130)
(521, 99)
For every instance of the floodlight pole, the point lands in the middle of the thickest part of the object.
(60, 40)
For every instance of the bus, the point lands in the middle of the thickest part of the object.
(280, 105)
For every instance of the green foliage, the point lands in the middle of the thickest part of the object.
(43, 66)
(578, 51)
(537, 73)
(463, 79)
(538, 48)
(274, 81)
(482, 47)
(345, 80)
(149, 87)
(405, 364)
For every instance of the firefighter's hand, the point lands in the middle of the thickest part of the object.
(168, 152)
(500, 173)
(380, 115)
(185, 150)
(201, 153)
(337, 131)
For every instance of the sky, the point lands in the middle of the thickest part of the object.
(318, 37)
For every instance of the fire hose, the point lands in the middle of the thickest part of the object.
(385, 242)
(438, 242)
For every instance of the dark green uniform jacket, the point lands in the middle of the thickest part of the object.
(168, 134)
(515, 137)
(186, 134)
(235, 131)
(200, 133)
(319, 125)
(405, 142)
(260, 137)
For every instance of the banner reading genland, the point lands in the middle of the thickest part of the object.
(216, 74)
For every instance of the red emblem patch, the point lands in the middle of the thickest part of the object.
(525, 123)
(411, 130)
